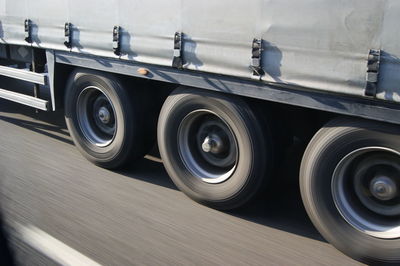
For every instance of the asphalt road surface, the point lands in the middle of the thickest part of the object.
(60, 209)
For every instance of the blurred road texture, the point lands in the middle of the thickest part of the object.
(58, 208)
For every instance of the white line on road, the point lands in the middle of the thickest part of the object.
(51, 247)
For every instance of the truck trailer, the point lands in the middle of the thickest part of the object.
(224, 87)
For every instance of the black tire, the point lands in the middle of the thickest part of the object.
(340, 143)
(252, 143)
(126, 142)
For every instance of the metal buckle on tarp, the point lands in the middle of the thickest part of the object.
(256, 57)
(117, 40)
(28, 30)
(68, 35)
(372, 77)
(177, 61)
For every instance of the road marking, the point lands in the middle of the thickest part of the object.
(51, 247)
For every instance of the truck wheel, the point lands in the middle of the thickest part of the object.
(350, 185)
(103, 119)
(213, 147)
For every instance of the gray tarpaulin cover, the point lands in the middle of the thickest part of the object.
(316, 44)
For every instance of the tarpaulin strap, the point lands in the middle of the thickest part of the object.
(177, 61)
(374, 59)
(256, 54)
(28, 30)
(68, 35)
(117, 40)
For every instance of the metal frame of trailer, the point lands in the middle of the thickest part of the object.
(337, 103)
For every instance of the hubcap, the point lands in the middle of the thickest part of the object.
(214, 144)
(383, 188)
(207, 146)
(96, 116)
(104, 115)
(365, 190)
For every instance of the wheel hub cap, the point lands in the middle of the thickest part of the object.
(383, 188)
(96, 116)
(104, 115)
(365, 190)
(207, 146)
(213, 143)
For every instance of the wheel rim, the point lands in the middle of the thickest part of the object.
(207, 146)
(366, 191)
(96, 116)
